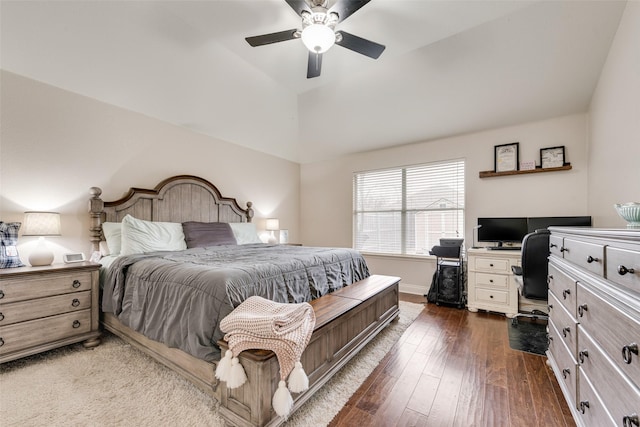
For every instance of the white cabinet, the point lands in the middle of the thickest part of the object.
(491, 285)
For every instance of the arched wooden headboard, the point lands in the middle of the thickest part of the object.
(177, 199)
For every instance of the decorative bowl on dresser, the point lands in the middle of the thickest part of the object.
(594, 323)
(42, 308)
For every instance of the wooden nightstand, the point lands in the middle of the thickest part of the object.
(42, 308)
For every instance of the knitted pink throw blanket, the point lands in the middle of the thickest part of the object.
(258, 323)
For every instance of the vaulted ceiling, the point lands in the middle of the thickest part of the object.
(449, 67)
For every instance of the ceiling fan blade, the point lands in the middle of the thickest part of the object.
(314, 65)
(271, 38)
(360, 45)
(346, 8)
(299, 6)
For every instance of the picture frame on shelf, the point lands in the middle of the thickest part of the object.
(552, 157)
(506, 157)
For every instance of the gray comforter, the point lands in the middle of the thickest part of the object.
(179, 298)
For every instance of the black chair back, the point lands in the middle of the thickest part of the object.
(535, 267)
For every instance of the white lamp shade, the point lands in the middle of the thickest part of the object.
(318, 38)
(273, 224)
(41, 224)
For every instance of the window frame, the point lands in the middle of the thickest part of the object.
(404, 212)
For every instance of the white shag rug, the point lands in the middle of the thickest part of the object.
(117, 385)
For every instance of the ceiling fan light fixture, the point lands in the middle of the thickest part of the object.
(318, 38)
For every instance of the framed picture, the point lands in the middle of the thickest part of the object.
(506, 157)
(552, 157)
(284, 237)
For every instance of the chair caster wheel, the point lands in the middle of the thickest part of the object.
(514, 321)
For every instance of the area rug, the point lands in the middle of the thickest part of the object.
(117, 385)
(528, 335)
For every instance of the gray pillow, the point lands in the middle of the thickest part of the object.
(203, 234)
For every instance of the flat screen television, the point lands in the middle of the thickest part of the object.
(502, 230)
(540, 222)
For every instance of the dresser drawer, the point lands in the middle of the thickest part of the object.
(591, 409)
(19, 289)
(492, 296)
(563, 288)
(620, 396)
(555, 245)
(494, 265)
(619, 262)
(488, 280)
(586, 255)
(613, 329)
(44, 307)
(35, 332)
(565, 324)
(566, 365)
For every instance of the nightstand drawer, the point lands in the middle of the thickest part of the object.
(44, 307)
(587, 255)
(35, 332)
(19, 289)
(623, 267)
(492, 280)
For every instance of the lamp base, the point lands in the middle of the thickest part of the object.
(40, 258)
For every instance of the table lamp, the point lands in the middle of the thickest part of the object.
(41, 224)
(273, 224)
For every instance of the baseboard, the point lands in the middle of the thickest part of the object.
(408, 288)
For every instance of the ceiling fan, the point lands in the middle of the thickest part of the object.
(318, 31)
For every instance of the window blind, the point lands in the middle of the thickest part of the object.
(406, 210)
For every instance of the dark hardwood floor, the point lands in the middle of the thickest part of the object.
(455, 368)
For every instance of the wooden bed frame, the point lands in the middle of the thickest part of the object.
(346, 320)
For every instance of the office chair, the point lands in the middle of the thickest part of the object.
(532, 275)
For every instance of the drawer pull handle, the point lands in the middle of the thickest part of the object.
(565, 293)
(76, 324)
(76, 283)
(591, 259)
(581, 309)
(1, 342)
(1, 317)
(549, 339)
(490, 265)
(627, 350)
(631, 420)
(584, 405)
(622, 270)
(491, 296)
(553, 245)
(563, 249)
(75, 302)
(582, 355)
(565, 372)
(550, 306)
(1, 294)
(566, 331)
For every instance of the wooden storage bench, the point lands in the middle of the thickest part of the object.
(346, 320)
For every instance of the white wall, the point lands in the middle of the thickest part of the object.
(614, 151)
(326, 187)
(56, 144)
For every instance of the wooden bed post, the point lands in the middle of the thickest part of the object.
(249, 211)
(96, 206)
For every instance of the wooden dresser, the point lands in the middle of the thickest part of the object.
(47, 307)
(491, 285)
(594, 325)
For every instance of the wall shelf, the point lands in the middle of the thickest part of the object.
(490, 174)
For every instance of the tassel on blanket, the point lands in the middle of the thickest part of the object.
(298, 380)
(224, 366)
(237, 376)
(282, 401)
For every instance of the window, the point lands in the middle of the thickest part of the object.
(407, 210)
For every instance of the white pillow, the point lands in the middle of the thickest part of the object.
(112, 232)
(245, 232)
(139, 236)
